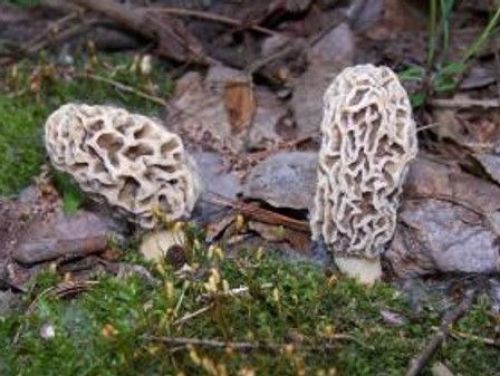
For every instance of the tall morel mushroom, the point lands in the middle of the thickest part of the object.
(369, 138)
(128, 160)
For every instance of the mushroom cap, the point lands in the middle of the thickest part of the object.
(368, 140)
(126, 160)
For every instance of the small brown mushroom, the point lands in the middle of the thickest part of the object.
(369, 138)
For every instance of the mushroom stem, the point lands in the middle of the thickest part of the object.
(364, 270)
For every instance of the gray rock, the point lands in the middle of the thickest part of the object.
(326, 58)
(285, 180)
(215, 177)
(448, 222)
(450, 238)
(9, 302)
(494, 293)
(14, 218)
(491, 164)
(61, 236)
(307, 100)
(269, 112)
(217, 182)
(336, 47)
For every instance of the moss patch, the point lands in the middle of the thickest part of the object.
(20, 142)
(111, 328)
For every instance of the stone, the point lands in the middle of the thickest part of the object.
(62, 236)
(284, 180)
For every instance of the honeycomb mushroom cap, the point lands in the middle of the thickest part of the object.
(127, 160)
(369, 137)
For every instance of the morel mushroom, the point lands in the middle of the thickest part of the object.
(128, 160)
(369, 138)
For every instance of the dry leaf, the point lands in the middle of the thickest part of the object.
(240, 105)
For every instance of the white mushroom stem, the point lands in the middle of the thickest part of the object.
(366, 271)
(156, 244)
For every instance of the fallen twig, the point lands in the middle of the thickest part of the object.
(464, 102)
(290, 48)
(56, 33)
(78, 29)
(123, 87)
(40, 40)
(487, 341)
(255, 157)
(64, 289)
(232, 292)
(259, 214)
(426, 127)
(210, 17)
(420, 361)
(61, 290)
(251, 346)
(191, 315)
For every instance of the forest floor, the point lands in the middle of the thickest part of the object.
(246, 296)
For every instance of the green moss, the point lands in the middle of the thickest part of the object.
(23, 112)
(20, 142)
(22, 3)
(108, 330)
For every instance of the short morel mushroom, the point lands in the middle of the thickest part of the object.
(127, 160)
(369, 138)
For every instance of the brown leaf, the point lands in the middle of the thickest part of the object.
(212, 112)
(476, 129)
(240, 105)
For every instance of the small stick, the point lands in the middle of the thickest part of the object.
(38, 43)
(260, 155)
(487, 341)
(260, 214)
(190, 315)
(70, 32)
(459, 102)
(232, 292)
(245, 346)
(418, 363)
(281, 53)
(53, 26)
(428, 126)
(123, 87)
(210, 17)
(58, 291)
